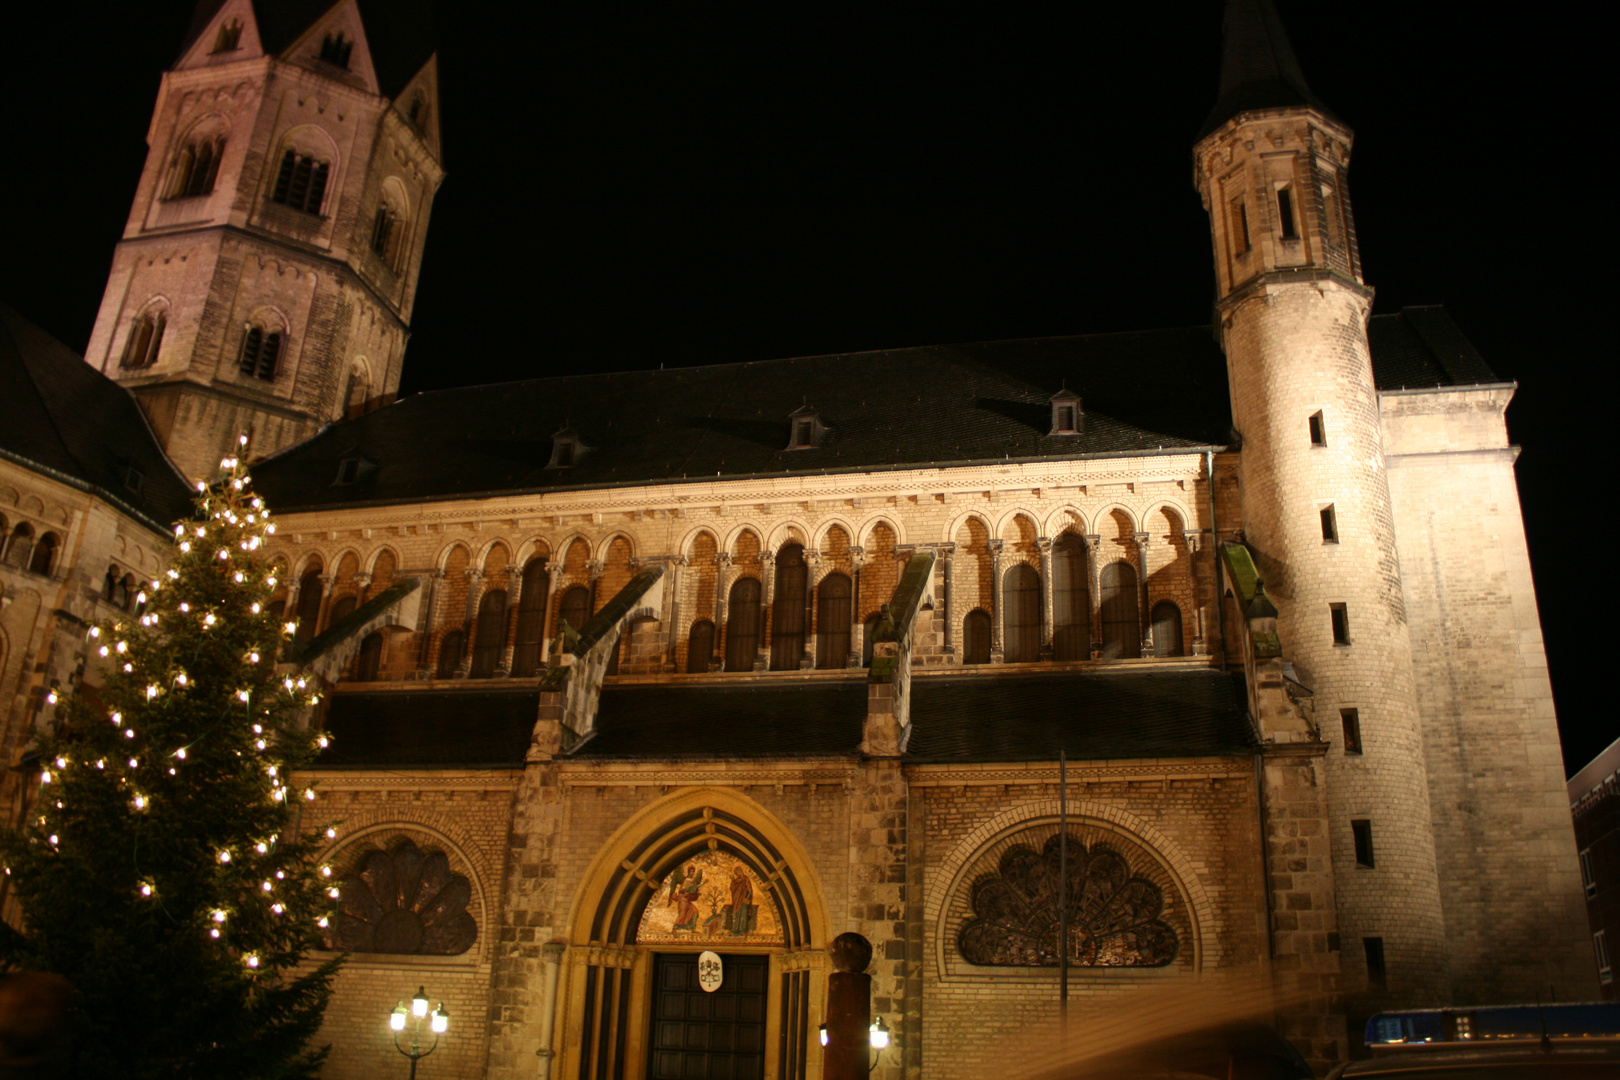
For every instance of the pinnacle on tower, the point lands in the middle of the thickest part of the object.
(1258, 67)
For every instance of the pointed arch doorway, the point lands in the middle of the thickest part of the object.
(640, 922)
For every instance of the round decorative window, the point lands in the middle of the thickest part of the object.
(404, 900)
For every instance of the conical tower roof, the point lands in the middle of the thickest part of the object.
(1258, 67)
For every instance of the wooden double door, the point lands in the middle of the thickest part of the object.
(698, 1035)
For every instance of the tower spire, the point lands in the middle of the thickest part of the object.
(1258, 66)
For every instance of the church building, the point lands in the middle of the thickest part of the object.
(623, 668)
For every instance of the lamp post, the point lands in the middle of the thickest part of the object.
(438, 1023)
(877, 1036)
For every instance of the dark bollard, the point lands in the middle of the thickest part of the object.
(849, 1009)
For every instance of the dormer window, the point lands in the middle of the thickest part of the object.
(566, 449)
(134, 479)
(335, 50)
(806, 428)
(353, 467)
(230, 34)
(1067, 417)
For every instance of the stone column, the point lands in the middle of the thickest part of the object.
(514, 590)
(767, 593)
(551, 955)
(1093, 545)
(722, 563)
(594, 567)
(1200, 645)
(997, 649)
(812, 581)
(947, 635)
(469, 621)
(327, 581)
(430, 607)
(1044, 545)
(1146, 627)
(857, 634)
(362, 582)
(672, 622)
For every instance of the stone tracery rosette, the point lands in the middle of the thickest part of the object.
(404, 900)
(1114, 913)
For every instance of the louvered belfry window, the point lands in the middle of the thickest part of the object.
(261, 349)
(1021, 628)
(832, 621)
(787, 614)
(1121, 612)
(301, 182)
(742, 625)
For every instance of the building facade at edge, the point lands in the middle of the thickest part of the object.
(626, 667)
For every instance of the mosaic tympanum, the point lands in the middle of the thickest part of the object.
(711, 898)
(1113, 916)
(404, 900)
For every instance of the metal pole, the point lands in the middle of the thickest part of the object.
(1063, 892)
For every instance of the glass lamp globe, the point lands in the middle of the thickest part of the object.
(419, 1003)
(396, 1019)
(441, 1020)
(823, 1034)
(879, 1034)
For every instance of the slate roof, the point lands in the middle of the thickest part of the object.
(935, 405)
(1093, 716)
(64, 416)
(399, 32)
(768, 718)
(430, 729)
(1258, 66)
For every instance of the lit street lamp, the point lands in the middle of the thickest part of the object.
(438, 1024)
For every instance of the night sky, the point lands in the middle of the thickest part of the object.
(627, 190)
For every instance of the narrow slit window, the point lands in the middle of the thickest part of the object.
(1285, 213)
(1361, 829)
(1330, 525)
(1240, 227)
(1588, 877)
(1377, 973)
(1318, 430)
(1341, 624)
(1352, 730)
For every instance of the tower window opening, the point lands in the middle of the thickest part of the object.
(335, 49)
(1318, 429)
(1341, 624)
(1330, 525)
(1361, 829)
(145, 337)
(301, 182)
(417, 116)
(1240, 226)
(229, 36)
(382, 232)
(1285, 213)
(1588, 875)
(1351, 718)
(1377, 973)
(261, 349)
(196, 167)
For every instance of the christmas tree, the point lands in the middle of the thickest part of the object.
(163, 869)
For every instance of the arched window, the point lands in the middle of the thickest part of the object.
(869, 637)
(787, 609)
(1121, 614)
(371, 650)
(309, 603)
(700, 647)
(832, 621)
(230, 33)
(388, 230)
(1071, 600)
(110, 586)
(358, 393)
(20, 545)
(196, 166)
(342, 608)
(450, 649)
(742, 625)
(575, 609)
(145, 338)
(44, 555)
(1021, 620)
(301, 181)
(531, 619)
(976, 637)
(261, 350)
(335, 49)
(489, 641)
(1166, 628)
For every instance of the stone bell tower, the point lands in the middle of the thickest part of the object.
(266, 275)
(1270, 165)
